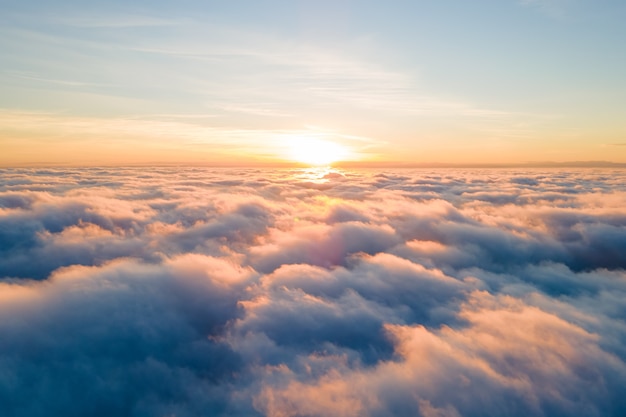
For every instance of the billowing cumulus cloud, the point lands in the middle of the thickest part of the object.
(202, 292)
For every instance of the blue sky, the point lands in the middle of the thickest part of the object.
(412, 81)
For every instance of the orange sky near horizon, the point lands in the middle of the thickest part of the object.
(415, 84)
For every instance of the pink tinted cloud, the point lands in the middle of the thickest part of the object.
(243, 292)
(511, 356)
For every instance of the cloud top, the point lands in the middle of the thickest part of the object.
(244, 292)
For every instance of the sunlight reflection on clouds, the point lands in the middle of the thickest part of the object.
(312, 292)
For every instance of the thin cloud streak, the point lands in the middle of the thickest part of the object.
(194, 133)
(293, 68)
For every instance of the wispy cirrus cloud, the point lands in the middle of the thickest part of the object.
(255, 73)
(198, 137)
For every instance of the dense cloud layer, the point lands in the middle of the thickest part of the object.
(198, 292)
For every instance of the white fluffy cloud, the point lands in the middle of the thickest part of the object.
(285, 293)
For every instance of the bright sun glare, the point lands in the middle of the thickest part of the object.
(316, 152)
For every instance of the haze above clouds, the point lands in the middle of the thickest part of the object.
(201, 292)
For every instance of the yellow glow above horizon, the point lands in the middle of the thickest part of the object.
(316, 152)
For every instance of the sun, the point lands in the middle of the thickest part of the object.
(317, 152)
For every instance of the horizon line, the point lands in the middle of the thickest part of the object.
(338, 165)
